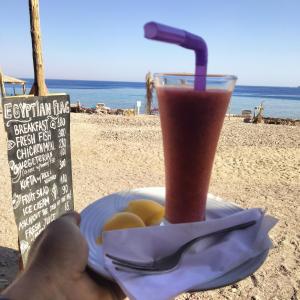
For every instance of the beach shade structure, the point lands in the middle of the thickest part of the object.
(39, 154)
(247, 115)
(4, 79)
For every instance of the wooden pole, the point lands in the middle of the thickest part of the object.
(149, 92)
(39, 87)
(2, 86)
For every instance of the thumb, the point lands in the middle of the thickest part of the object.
(72, 217)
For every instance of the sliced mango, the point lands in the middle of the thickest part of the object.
(121, 220)
(149, 211)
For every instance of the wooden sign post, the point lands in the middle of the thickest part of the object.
(39, 153)
(39, 86)
(2, 87)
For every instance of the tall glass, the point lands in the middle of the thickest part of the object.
(191, 123)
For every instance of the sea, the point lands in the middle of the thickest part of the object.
(281, 102)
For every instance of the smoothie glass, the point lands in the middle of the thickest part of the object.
(191, 122)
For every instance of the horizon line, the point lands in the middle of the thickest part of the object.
(30, 78)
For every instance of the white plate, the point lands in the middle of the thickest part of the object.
(96, 214)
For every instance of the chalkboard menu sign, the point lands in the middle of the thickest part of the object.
(39, 156)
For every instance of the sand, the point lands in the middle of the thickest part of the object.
(255, 166)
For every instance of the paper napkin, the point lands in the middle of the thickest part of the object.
(205, 261)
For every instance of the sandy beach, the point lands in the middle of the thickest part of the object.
(255, 166)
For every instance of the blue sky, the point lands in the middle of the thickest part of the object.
(257, 40)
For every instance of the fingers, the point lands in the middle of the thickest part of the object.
(112, 286)
(71, 217)
(54, 232)
(61, 249)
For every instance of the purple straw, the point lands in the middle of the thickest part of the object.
(160, 32)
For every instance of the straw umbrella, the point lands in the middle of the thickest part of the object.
(4, 79)
(39, 87)
(149, 92)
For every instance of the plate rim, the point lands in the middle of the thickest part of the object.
(255, 263)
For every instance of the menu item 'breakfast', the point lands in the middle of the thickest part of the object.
(149, 211)
(121, 220)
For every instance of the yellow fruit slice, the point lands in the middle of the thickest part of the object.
(149, 211)
(121, 220)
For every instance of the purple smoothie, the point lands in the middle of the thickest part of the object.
(191, 122)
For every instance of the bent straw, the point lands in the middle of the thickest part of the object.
(164, 33)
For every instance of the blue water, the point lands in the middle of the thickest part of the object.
(278, 101)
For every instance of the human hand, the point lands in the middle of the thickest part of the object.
(56, 267)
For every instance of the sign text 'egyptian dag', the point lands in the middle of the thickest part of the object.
(39, 156)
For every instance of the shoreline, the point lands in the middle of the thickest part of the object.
(254, 167)
(132, 112)
(101, 109)
(281, 102)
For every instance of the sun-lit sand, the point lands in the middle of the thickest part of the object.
(255, 166)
